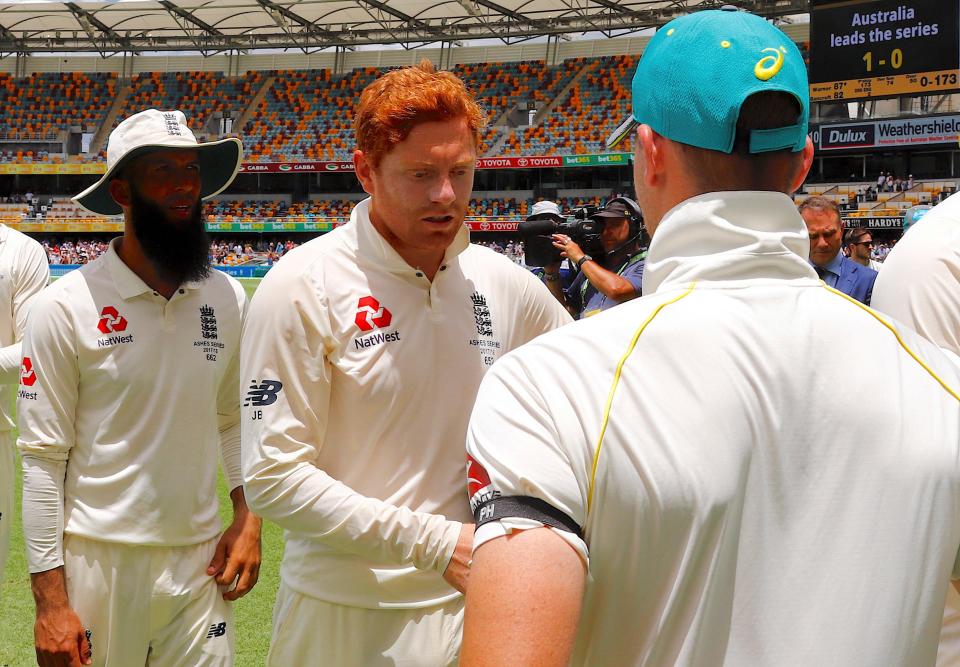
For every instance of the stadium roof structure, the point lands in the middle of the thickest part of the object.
(210, 26)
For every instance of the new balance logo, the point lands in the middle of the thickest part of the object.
(217, 630)
(263, 393)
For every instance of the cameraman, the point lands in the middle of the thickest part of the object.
(606, 281)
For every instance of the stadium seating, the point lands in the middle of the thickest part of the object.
(43, 106)
(307, 115)
(198, 94)
(502, 87)
(591, 110)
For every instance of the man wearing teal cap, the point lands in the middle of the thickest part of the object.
(701, 497)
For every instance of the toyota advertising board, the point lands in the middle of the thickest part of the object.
(509, 162)
(901, 132)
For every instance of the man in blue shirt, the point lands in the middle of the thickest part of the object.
(826, 235)
(603, 282)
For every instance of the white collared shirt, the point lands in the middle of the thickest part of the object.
(920, 286)
(743, 498)
(24, 272)
(361, 375)
(131, 393)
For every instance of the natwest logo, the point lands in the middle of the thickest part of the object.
(371, 315)
(111, 321)
(27, 375)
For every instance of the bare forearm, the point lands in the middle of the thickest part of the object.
(49, 589)
(241, 512)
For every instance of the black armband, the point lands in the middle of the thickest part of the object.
(525, 507)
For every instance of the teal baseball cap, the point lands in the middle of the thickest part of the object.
(698, 70)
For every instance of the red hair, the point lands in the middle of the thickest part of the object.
(394, 104)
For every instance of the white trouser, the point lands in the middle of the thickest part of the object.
(152, 606)
(6, 496)
(308, 631)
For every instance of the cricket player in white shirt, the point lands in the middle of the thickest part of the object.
(363, 351)
(23, 273)
(704, 469)
(920, 286)
(129, 390)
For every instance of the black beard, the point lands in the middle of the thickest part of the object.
(179, 253)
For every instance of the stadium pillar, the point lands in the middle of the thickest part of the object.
(339, 57)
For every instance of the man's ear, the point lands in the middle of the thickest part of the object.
(119, 189)
(364, 171)
(804, 167)
(648, 155)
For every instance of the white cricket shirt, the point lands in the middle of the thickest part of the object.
(360, 375)
(132, 393)
(920, 285)
(753, 501)
(23, 273)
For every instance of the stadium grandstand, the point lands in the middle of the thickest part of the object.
(553, 77)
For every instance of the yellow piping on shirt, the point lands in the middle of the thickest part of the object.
(616, 381)
(896, 335)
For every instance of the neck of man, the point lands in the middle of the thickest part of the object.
(613, 260)
(426, 260)
(131, 253)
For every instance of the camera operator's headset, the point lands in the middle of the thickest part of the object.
(638, 232)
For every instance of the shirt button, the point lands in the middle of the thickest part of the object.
(419, 275)
(156, 293)
(443, 268)
(181, 291)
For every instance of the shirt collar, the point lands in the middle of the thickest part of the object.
(728, 236)
(833, 266)
(373, 247)
(127, 283)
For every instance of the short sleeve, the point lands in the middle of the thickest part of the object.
(633, 274)
(515, 451)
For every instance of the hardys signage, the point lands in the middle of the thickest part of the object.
(874, 222)
(888, 133)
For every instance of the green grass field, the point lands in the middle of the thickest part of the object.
(252, 612)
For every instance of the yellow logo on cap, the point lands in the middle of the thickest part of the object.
(768, 66)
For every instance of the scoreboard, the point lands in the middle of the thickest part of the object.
(883, 48)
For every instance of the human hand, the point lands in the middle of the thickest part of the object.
(567, 247)
(60, 639)
(458, 569)
(237, 556)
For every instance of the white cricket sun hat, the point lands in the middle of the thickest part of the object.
(545, 207)
(154, 130)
